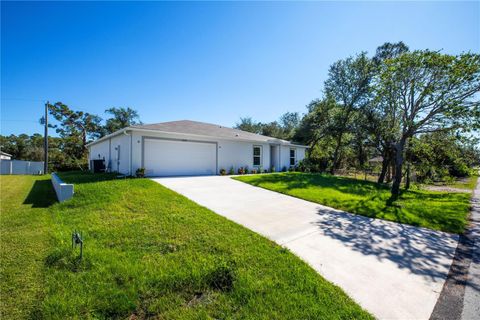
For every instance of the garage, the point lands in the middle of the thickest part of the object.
(164, 157)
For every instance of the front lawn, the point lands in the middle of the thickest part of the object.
(435, 210)
(149, 253)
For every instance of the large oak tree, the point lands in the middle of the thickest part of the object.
(425, 92)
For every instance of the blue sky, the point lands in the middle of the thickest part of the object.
(212, 62)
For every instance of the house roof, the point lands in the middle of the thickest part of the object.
(188, 127)
(5, 154)
(207, 129)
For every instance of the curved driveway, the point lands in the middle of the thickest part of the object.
(394, 271)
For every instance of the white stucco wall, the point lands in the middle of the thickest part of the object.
(285, 155)
(100, 151)
(121, 162)
(107, 150)
(240, 154)
(230, 153)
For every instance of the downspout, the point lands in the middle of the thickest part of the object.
(131, 151)
(280, 158)
(109, 165)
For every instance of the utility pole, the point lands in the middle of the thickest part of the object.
(45, 141)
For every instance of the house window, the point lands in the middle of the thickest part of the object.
(257, 155)
(293, 155)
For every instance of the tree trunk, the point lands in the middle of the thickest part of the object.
(407, 177)
(360, 155)
(385, 164)
(336, 154)
(399, 148)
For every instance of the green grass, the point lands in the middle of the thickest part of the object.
(435, 210)
(149, 252)
(24, 243)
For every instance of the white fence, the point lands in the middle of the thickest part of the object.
(21, 167)
(63, 190)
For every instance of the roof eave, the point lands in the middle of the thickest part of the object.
(108, 136)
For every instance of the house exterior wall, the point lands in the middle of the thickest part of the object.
(285, 155)
(230, 153)
(100, 151)
(234, 154)
(114, 161)
(121, 161)
(238, 154)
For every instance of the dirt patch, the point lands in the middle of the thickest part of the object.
(446, 189)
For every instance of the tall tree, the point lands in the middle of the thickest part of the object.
(76, 128)
(389, 51)
(289, 122)
(318, 123)
(381, 119)
(284, 129)
(249, 125)
(427, 92)
(122, 118)
(348, 84)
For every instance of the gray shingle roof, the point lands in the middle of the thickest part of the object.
(207, 129)
(201, 129)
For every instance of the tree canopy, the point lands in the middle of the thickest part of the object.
(387, 105)
(121, 118)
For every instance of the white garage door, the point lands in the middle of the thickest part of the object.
(179, 158)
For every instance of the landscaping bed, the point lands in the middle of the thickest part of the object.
(148, 252)
(435, 210)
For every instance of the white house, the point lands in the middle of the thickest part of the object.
(191, 148)
(5, 156)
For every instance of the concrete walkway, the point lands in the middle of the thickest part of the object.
(394, 271)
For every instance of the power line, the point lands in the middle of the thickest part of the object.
(12, 120)
(21, 99)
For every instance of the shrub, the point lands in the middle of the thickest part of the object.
(284, 169)
(241, 170)
(254, 171)
(223, 172)
(246, 170)
(231, 171)
(272, 169)
(310, 165)
(140, 172)
(291, 169)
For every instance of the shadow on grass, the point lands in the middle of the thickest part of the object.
(80, 177)
(421, 251)
(306, 180)
(41, 195)
(436, 210)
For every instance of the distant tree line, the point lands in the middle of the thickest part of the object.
(285, 128)
(415, 109)
(75, 130)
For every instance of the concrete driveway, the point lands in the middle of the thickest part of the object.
(394, 271)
